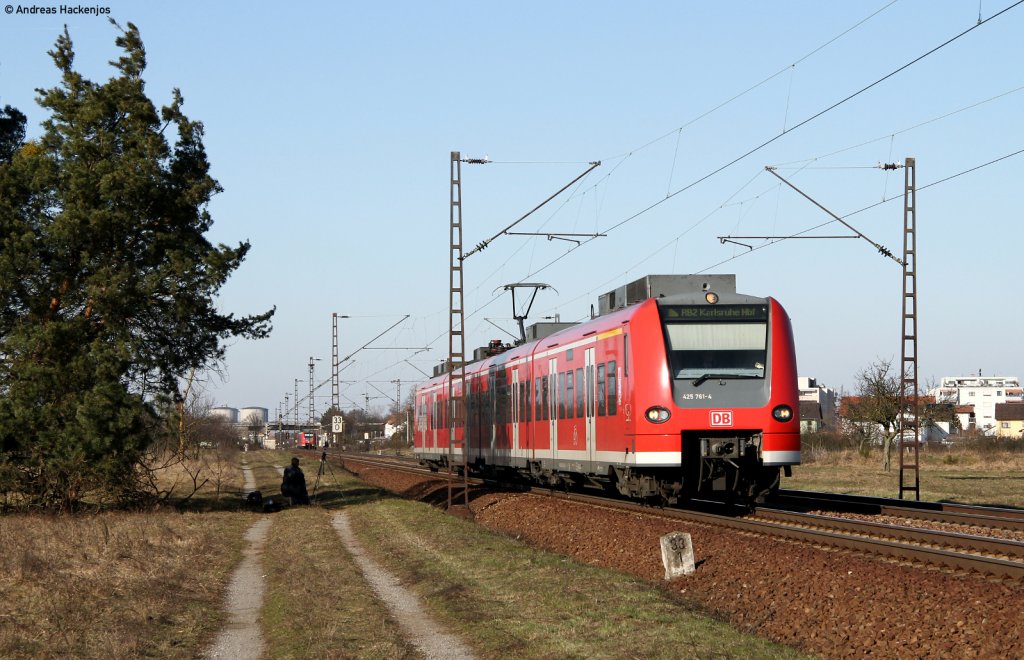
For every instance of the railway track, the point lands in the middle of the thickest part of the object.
(945, 550)
(960, 514)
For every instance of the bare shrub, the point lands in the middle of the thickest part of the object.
(821, 446)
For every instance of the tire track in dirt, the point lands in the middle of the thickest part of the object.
(242, 637)
(419, 628)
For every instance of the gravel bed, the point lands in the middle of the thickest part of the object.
(831, 603)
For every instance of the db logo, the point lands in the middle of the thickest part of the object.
(721, 418)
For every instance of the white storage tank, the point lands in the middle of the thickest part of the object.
(248, 415)
(229, 415)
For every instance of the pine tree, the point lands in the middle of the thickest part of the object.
(107, 281)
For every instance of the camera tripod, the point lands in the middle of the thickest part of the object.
(320, 473)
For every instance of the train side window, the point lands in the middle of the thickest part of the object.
(520, 413)
(524, 401)
(625, 354)
(580, 390)
(590, 390)
(612, 388)
(561, 397)
(544, 396)
(600, 389)
(569, 400)
(536, 400)
(529, 408)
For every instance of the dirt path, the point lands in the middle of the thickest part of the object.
(419, 628)
(242, 638)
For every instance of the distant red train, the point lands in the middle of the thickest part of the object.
(679, 388)
(308, 440)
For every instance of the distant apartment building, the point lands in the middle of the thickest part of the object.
(975, 398)
(817, 406)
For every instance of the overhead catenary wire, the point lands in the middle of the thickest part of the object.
(811, 118)
(890, 136)
(767, 142)
(865, 208)
(757, 84)
(483, 244)
(753, 249)
(776, 137)
(884, 251)
(351, 355)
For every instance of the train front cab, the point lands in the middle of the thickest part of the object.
(720, 393)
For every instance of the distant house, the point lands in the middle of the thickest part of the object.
(810, 417)
(817, 406)
(393, 425)
(965, 414)
(1010, 420)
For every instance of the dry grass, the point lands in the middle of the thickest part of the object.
(317, 603)
(509, 600)
(114, 584)
(152, 584)
(970, 476)
(125, 584)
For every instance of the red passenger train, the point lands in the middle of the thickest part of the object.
(679, 388)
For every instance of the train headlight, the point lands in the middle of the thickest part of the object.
(782, 413)
(657, 414)
(711, 297)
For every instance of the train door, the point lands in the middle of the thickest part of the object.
(432, 433)
(552, 405)
(419, 423)
(589, 386)
(515, 408)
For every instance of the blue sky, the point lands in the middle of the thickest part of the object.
(330, 126)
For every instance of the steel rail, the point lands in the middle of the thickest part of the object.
(963, 514)
(980, 545)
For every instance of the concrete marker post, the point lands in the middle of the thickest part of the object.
(677, 555)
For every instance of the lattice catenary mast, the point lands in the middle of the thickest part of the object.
(909, 423)
(456, 334)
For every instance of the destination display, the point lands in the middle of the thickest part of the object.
(715, 312)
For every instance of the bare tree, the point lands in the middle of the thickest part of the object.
(254, 423)
(876, 405)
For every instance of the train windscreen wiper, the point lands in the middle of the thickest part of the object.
(697, 382)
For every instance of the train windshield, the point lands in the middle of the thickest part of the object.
(717, 350)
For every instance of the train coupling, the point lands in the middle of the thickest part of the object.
(723, 447)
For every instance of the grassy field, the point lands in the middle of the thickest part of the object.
(114, 585)
(508, 600)
(151, 584)
(992, 477)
